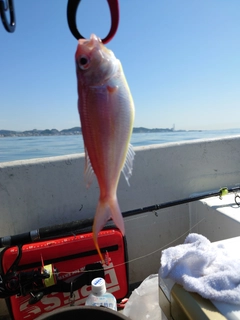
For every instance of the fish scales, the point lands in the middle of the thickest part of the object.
(106, 113)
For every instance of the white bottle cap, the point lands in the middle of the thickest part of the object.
(98, 286)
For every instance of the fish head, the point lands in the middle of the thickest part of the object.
(95, 64)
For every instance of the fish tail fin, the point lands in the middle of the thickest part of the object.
(105, 211)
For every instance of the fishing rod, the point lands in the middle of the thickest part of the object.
(74, 226)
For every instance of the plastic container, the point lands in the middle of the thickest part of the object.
(99, 295)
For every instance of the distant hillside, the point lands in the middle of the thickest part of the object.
(35, 132)
(146, 130)
(67, 132)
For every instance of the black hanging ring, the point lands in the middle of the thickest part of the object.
(71, 18)
(236, 201)
(10, 27)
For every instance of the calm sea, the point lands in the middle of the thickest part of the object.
(20, 148)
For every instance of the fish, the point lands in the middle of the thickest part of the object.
(106, 110)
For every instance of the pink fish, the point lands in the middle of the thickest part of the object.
(106, 112)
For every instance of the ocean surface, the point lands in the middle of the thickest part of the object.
(21, 148)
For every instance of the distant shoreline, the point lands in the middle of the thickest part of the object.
(77, 131)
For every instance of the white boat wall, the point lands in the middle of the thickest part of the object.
(49, 191)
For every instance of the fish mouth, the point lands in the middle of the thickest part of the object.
(93, 42)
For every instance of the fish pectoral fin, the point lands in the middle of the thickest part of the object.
(128, 165)
(88, 170)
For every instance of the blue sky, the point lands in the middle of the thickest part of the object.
(181, 59)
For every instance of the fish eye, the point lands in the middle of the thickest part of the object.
(83, 62)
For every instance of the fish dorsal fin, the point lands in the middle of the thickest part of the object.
(128, 165)
(88, 170)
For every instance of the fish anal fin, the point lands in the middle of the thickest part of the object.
(128, 165)
(88, 170)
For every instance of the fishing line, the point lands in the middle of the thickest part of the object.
(135, 259)
(135, 218)
(153, 220)
(166, 245)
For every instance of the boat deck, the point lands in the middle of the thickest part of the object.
(214, 218)
(42, 192)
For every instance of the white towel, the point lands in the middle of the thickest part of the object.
(203, 267)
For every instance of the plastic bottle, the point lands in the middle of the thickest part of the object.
(99, 295)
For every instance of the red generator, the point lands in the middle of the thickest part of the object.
(43, 276)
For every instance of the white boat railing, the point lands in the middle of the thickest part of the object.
(43, 192)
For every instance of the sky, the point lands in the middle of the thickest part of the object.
(181, 59)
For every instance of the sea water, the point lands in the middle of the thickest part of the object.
(21, 148)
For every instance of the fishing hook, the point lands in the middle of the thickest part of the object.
(71, 18)
(10, 27)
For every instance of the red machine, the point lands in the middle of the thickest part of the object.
(43, 276)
